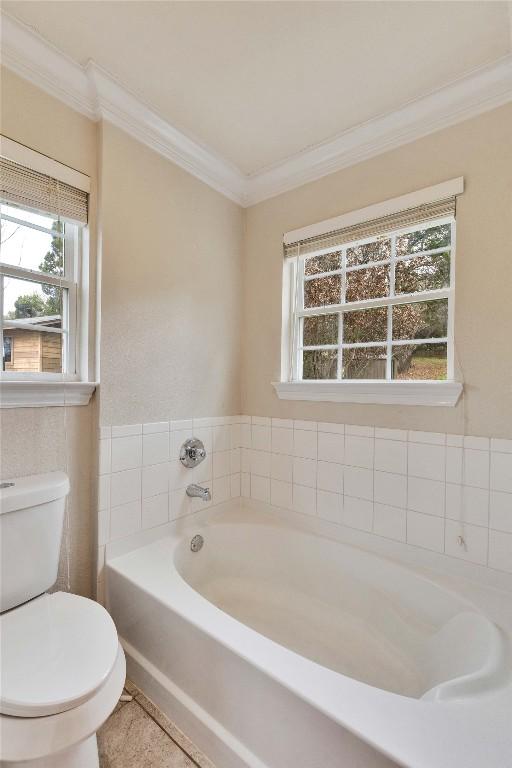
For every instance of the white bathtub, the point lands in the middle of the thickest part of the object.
(275, 648)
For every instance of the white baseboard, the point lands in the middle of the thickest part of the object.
(217, 743)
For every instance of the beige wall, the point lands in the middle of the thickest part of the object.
(171, 290)
(34, 440)
(481, 151)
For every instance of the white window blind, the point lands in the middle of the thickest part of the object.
(32, 189)
(374, 227)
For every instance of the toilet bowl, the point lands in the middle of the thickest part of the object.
(66, 739)
(62, 668)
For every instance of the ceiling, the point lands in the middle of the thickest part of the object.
(260, 82)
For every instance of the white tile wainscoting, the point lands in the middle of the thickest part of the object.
(425, 489)
(142, 482)
(441, 492)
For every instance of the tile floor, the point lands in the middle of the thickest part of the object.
(138, 735)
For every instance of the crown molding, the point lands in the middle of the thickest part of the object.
(480, 91)
(118, 106)
(31, 57)
(95, 94)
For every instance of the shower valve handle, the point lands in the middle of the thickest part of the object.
(192, 452)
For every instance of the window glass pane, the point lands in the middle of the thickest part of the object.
(328, 262)
(420, 320)
(364, 363)
(32, 351)
(29, 248)
(372, 283)
(319, 364)
(420, 361)
(320, 330)
(41, 219)
(378, 250)
(423, 240)
(365, 325)
(322, 291)
(423, 273)
(24, 299)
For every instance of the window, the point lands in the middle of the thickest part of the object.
(44, 273)
(39, 273)
(377, 308)
(370, 303)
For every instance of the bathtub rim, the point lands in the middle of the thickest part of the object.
(488, 589)
(382, 701)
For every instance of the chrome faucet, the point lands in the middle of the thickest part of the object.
(198, 490)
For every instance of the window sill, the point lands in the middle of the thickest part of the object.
(433, 393)
(26, 393)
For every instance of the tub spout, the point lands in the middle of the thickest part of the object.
(199, 491)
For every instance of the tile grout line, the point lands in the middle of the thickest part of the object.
(139, 703)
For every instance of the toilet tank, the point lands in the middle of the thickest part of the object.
(31, 521)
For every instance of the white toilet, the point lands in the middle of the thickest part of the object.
(62, 667)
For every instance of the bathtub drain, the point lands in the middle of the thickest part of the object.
(196, 543)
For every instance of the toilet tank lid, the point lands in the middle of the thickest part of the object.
(32, 490)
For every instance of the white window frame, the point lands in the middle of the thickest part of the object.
(73, 386)
(69, 283)
(384, 391)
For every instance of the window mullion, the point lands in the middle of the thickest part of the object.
(319, 275)
(70, 298)
(389, 351)
(430, 340)
(299, 321)
(311, 347)
(353, 306)
(368, 265)
(364, 344)
(419, 254)
(71, 253)
(339, 370)
(2, 318)
(450, 346)
(34, 276)
(30, 225)
(340, 316)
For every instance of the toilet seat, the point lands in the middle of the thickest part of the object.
(38, 738)
(57, 651)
